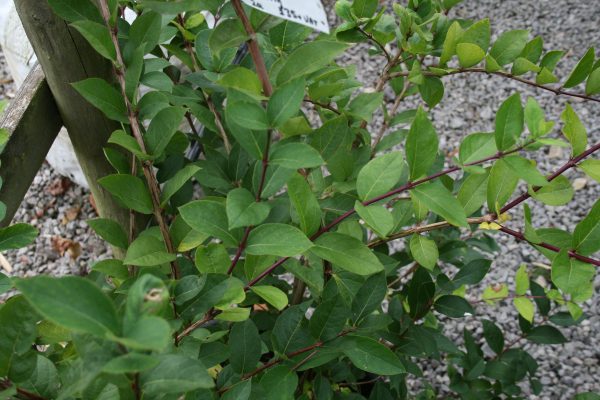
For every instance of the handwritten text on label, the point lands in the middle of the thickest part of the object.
(306, 12)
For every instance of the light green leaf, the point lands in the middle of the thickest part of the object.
(247, 115)
(508, 46)
(536, 120)
(379, 175)
(130, 190)
(469, 54)
(424, 251)
(175, 373)
(72, 302)
(305, 204)
(452, 38)
(309, 58)
(525, 307)
(272, 295)
(277, 240)
(236, 314)
(521, 280)
(244, 210)
(509, 122)
(376, 217)
(586, 237)
(574, 130)
(212, 259)
(147, 333)
(592, 168)
(364, 105)
(421, 145)
(129, 363)
(243, 80)
(129, 143)
(439, 200)
(473, 192)
(147, 251)
(525, 169)
(592, 85)
(110, 231)
(570, 275)
(104, 97)
(581, 70)
(477, 146)
(285, 102)
(296, 156)
(98, 36)
(501, 185)
(478, 34)
(16, 236)
(557, 193)
(347, 253)
(174, 184)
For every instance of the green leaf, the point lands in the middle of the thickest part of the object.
(210, 218)
(75, 10)
(277, 240)
(525, 169)
(173, 185)
(377, 217)
(17, 332)
(508, 46)
(536, 120)
(72, 302)
(147, 251)
(525, 307)
(129, 143)
(574, 130)
(5, 283)
(424, 251)
(570, 275)
(175, 373)
(285, 102)
(369, 355)
(130, 363)
(546, 334)
(369, 296)
(477, 146)
(279, 383)
(509, 122)
(453, 306)
(272, 295)
(16, 236)
(592, 85)
(439, 200)
(247, 115)
(478, 34)
(146, 30)
(296, 156)
(244, 210)
(309, 58)
(347, 253)
(243, 80)
(592, 168)
(473, 272)
(147, 333)
(473, 192)
(501, 185)
(452, 38)
(586, 237)
(228, 33)
(493, 336)
(104, 97)
(431, 90)
(212, 259)
(290, 332)
(329, 318)
(469, 54)
(162, 128)
(305, 204)
(557, 193)
(98, 36)
(110, 231)
(245, 345)
(522, 65)
(521, 280)
(421, 145)
(380, 175)
(113, 268)
(364, 105)
(130, 190)
(581, 70)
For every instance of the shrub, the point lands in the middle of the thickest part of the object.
(298, 246)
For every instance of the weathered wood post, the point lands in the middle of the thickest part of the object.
(32, 121)
(66, 58)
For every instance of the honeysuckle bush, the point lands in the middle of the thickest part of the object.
(293, 247)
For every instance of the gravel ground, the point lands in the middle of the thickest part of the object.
(66, 245)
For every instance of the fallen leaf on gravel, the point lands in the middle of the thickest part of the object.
(59, 186)
(71, 214)
(579, 183)
(5, 264)
(62, 246)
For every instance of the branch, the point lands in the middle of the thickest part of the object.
(377, 43)
(21, 393)
(137, 133)
(323, 105)
(556, 91)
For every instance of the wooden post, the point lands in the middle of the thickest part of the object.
(66, 58)
(32, 121)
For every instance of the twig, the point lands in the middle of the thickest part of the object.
(137, 133)
(377, 43)
(556, 91)
(323, 105)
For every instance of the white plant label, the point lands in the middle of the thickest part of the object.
(306, 12)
